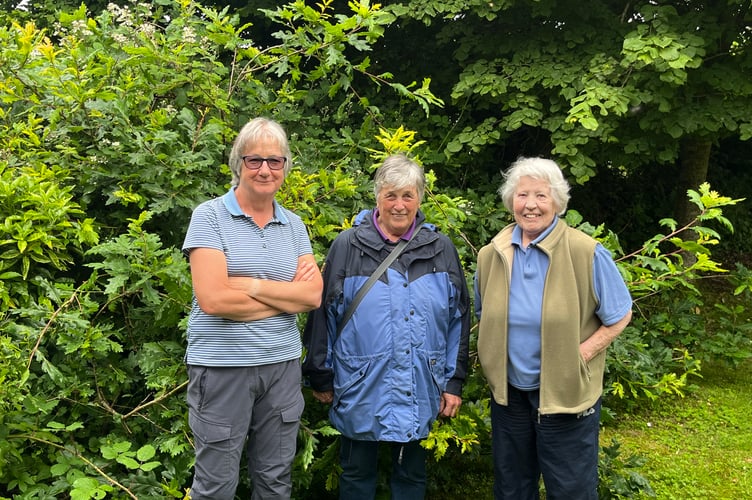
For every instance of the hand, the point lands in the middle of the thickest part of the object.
(325, 397)
(306, 271)
(450, 405)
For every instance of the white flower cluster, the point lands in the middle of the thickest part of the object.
(129, 17)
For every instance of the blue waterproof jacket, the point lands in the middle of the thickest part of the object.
(407, 341)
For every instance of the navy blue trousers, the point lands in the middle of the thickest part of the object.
(359, 461)
(562, 448)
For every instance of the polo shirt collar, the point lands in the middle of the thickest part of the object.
(517, 234)
(231, 204)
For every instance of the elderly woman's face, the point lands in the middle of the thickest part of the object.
(397, 209)
(534, 207)
(262, 181)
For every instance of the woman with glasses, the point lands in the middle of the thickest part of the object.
(253, 271)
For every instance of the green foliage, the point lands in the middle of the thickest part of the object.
(150, 283)
(657, 354)
(728, 327)
(317, 457)
(698, 446)
(618, 477)
(113, 129)
(89, 365)
(43, 228)
(611, 85)
(115, 124)
(463, 432)
(643, 366)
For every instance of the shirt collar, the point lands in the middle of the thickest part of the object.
(406, 236)
(517, 234)
(231, 204)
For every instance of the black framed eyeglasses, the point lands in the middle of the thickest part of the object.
(273, 162)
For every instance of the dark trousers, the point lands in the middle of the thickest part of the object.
(359, 461)
(563, 448)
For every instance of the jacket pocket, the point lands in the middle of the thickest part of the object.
(433, 378)
(347, 380)
(584, 368)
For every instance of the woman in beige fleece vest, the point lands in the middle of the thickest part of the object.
(549, 300)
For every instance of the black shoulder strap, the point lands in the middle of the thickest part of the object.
(372, 279)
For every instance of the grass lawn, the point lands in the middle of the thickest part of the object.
(699, 446)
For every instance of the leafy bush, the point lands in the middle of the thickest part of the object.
(618, 477)
(134, 111)
(113, 127)
(43, 231)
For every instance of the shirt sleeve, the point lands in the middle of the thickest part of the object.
(614, 300)
(300, 233)
(203, 230)
(319, 333)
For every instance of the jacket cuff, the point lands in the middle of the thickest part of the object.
(321, 383)
(454, 386)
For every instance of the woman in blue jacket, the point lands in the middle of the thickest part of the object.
(400, 360)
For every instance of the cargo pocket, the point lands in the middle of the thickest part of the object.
(288, 429)
(213, 448)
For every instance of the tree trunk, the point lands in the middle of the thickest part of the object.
(694, 157)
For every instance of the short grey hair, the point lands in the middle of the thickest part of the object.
(540, 169)
(398, 171)
(251, 133)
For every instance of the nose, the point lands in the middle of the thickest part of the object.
(264, 163)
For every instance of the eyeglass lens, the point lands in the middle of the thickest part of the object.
(255, 162)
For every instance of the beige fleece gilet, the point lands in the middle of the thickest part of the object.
(568, 384)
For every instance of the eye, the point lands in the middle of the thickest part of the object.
(274, 162)
(253, 161)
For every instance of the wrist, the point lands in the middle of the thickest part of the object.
(254, 287)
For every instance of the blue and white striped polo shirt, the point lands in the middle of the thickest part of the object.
(272, 253)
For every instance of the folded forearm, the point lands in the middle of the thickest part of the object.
(235, 305)
(603, 337)
(288, 296)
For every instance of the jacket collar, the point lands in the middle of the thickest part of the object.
(368, 235)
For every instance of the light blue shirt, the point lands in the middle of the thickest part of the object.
(269, 252)
(529, 269)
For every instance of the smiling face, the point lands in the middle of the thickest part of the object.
(262, 182)
(397, 210)
(534, 207)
